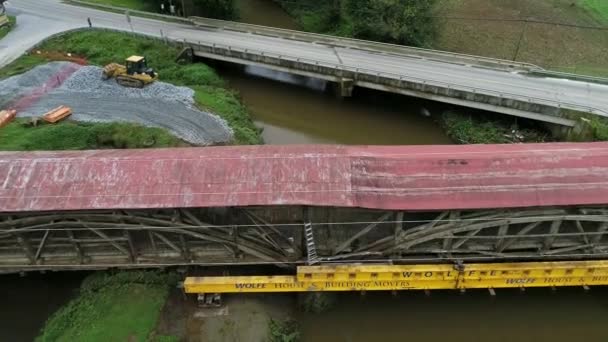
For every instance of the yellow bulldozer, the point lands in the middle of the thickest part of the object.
(134, 73)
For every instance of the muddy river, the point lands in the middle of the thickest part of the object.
(301, 110)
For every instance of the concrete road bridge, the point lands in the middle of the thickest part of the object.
(302, 205)
(501, 86)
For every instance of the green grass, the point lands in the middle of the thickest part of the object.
(284, 331)
(468, 129)
(226, 104)
(549, 46)
(7, 28)
(71, 135)
(111, 307)
(140, 5)
(103, 47)
(21, 65)
(598, 8)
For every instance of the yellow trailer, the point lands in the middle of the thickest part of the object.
(411, 277)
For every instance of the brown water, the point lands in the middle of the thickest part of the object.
(301, 110)
(28, 301)
(537, 315)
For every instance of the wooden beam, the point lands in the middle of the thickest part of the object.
(362, 232)
(548, 243)
(253, 217)
(506, 243)
(185, 249)
(502, 231)
(601, 230)
(27, 248)
(168, 242)
(447, 241)
(41, 244)
(109, 240)
(132, 250)
(77, 248)
(462, 241)
(390, 242)
(584, 237)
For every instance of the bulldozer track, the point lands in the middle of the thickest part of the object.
(127, 81)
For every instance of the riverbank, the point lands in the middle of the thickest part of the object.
(90, 46)
(20, 135)
(122, 306)
(4, 30)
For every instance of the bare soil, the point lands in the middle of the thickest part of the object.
(242, 318)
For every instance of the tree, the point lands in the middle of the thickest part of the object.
(398, 21)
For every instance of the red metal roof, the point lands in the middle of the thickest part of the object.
(397, 178)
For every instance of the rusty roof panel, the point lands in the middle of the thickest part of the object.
(378, 177)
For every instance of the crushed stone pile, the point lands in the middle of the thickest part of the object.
(95, 100)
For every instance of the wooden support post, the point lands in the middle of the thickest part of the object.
(447, 241)
(398, 225)
(581, 229)
(152, 242)
(42, 244)
(185, 249)
(109, 240)
(548, 243)
(601, 230)
(502, 231)
(77, 248)
(132, 250)
(27, 248)
(362, 232)
(509, 241)
(168, 242)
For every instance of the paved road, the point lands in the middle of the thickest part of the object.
(38, 18)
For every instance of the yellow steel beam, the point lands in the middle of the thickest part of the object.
(414, 277)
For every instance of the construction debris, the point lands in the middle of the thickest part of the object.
(57, 114)
(6, 116)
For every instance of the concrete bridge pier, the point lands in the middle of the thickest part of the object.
(344, 87)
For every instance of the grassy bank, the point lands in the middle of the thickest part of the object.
(4, 30)
(124, 306)
(599, 8)
(553, 47)
(475, 129)
(102, 47)
(69, 135)
(140, 5)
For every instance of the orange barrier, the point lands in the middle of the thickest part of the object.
(57, 114)
(6, 116)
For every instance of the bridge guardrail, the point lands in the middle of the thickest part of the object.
(569, 76)
(401, 78)
(363, 44)
(355, 71)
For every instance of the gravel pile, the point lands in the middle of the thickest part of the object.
(94, 100)
(88, 80)
(34, 80)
